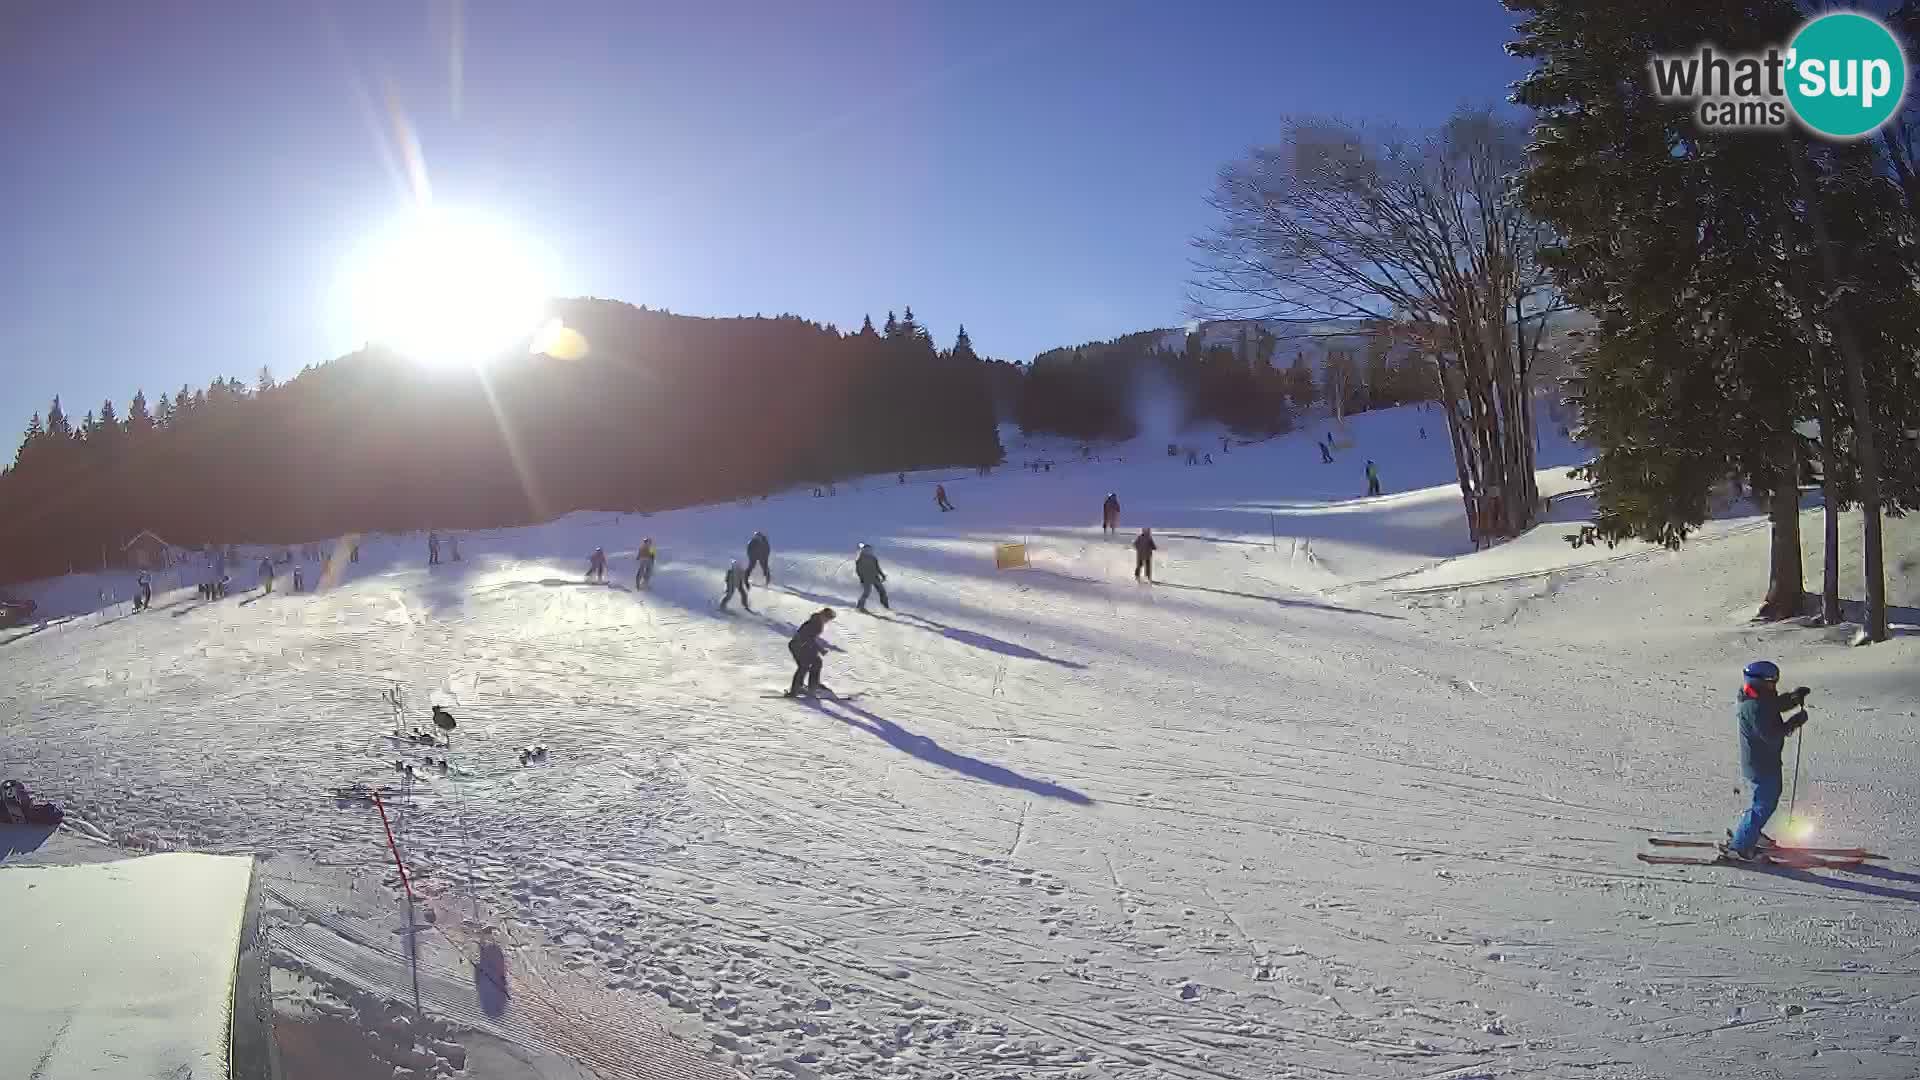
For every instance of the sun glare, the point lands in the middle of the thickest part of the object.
(447, 287)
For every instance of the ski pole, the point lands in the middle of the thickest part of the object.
(1799, 745)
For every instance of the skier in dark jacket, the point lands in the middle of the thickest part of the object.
(1110, 513)
(433, 549)
(1373, 479)
(1143, 549)
(758, 548)
(597, 565)
(1764, 727)
(872, 579)
(806, 647)
(266, 573)
(143, 592)
(736, 584)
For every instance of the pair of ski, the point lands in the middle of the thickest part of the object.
(1788, 856)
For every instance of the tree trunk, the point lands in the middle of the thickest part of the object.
(1785, 583)
(1863, 419)
(1829, 495)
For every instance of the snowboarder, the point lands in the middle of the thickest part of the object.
(1373, 479)
(736, 583)
(433, 549)
(1143, 549)
(872, 579)
(940, 497)
(597, 565)
(1764, 727)
(643, 577)
(1110, 513)
(806, 647)
(266, 574)
(758, 548)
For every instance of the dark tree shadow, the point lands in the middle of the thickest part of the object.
(255, 598)
(927, 750)
(11, 638)
(22, 839)
(985, 641)
(1281, 600)
(490, 980)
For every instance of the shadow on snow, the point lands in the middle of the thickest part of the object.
(933, 753)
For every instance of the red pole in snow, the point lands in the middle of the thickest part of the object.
(391, 846)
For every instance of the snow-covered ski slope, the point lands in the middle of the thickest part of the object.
(1316, 804)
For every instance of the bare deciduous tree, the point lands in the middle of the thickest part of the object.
(1423, 238)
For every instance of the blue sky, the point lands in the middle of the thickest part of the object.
(186, 182)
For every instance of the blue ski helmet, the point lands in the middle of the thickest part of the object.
(1762, 669)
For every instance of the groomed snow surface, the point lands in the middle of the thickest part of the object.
(1336, 797)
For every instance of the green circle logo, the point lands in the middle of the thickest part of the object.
(1847, 75)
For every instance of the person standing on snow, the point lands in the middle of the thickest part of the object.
(1110, 513)
(597, 565)
(433, 549)
(758, 548)
(806, 648)
(1143, 549)
(872, 579)
(266, 573)
(1373, 478)
(645, 556)
(1764, 727)
(736, 583)
(940, 497)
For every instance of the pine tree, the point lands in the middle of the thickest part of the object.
(139, 420)
(264, 381)
(866, 327)
(57, 423)
(1671, 239)
(31, 442)
(163, 414)
(893, 327)
(109, 420)
(963, 346)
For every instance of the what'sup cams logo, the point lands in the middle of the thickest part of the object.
(1842, 76)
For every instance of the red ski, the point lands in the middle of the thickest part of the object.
(1790, 849)
(1782, 860)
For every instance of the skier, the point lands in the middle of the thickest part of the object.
(1110, 513)
(266, 573)
(597, 565)
(758, 548)
(1143, 549)
(299, 577)
(872, 579)
(433, 549)
(1764, 728)
(1373, 479)
(806, 647)
(644, 576)
(940, 497)
(1423, 434)
(353, 556)
(736, 583)
(1326, 453)
(143, 593)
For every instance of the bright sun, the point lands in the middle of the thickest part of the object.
(449, 287)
